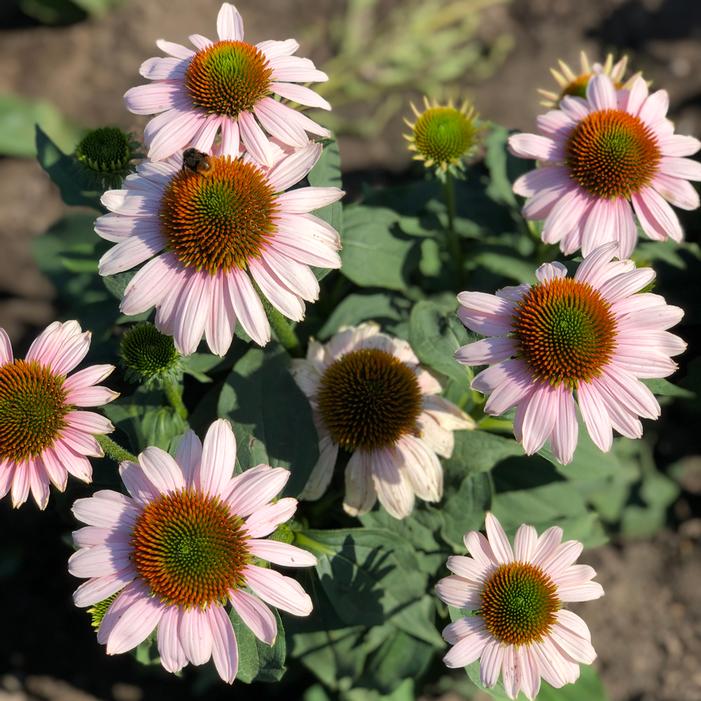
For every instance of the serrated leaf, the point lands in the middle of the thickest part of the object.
(271, 416)
(258, 661)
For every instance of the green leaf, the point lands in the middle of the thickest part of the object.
(371, 577)
(464, 507)
(18, 117)
(146, 653)
(664, 388)
(372, 255)
(272, 418)
(258, 661)
(383, 308)
(479, 451)
(64, 172)
(503, 167)
(435, 337)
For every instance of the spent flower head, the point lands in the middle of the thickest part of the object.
(443, 137)
(149, 357)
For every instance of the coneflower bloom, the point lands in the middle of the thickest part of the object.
(592, 335)
(226, 87)
(211, 236)
(182, 546)
(372, 399)
(574, 83)
(602, 160)
(519, 627)
(44, 433)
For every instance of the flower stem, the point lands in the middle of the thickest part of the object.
(452, 235)
(283, 330)
(114, 450)
(174, 394)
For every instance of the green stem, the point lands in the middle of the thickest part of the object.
(114, 450)
(283, 330)
(452, 235)
(489, 423)
(174, 394)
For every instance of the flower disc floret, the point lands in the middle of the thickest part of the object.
(105, 150)
(228, 77)
(518, 603)
(612, 154)
(368, 399)
(148, 354)
(32, 409)
(190, 549)
(565, 330)
(219, 221)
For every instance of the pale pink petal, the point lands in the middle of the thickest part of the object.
(75, 463)
(600, 226)
(533, 146)
(281, 553)
(467, 567)
(509, 383)
(267, 518)
(525, 543)
(680, 193)
(189, 456)
(579, 649)
(601, 93)
(89, 422)
(91, 396)
(534, 181)
(100, 588)
(173, 657)
(555, 124)
(391, 483)
(287, 303)
(248, 307)
(295, 69)
(273, 49)
(678, 145)
(152, 98)
(488, 350)
(130, 619)
(174, 49)
(137, 483)
(20, 485)
(594, 264)
(82, 443)
(554, 667)
(150, 285)
(192, 313)
(637, 95)
(159, 68)
(204, 138)
(307, 199)
(277, 590)
(580, 592)
(568, 213)
(576, 108)
(546, 545)
(221, 320)
(491, 661)
(595, 416)
(322, 472)
(254, 139)
(542, 202)
(550, 271)
(271, 115)
(422, 468)
(293, 241)
(458, 592)
(633, 393)
(100, 560)
(254, 488)
(200, 42)
(462, 628)
(56, 472)
(656, 217)
(177, 134)
(195, 635)
(218, 459)
(685, 168)
(565, 431)
(510, 670)
(5, 348)
(654, 109)
(498, 540)
(466, 651)
(230, 138)
(161, 470)
(225, 654)
(106, 509)
(87, 377)
(300, 94)
(255, 614)
(38, 483)
(486, 314)
(361, 494)
(480, 549)
(571, 621)
(539, 418)
(530, 672)
(229, 28)
(130, 252)
(562, 557)
(289, 171)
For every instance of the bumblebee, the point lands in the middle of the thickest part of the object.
(197, 162)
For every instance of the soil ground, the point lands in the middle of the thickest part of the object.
(648, 635)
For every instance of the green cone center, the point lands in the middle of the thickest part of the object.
(32, 409)
(443, 134)
(518, 603)
(190, 549)
(228, 77)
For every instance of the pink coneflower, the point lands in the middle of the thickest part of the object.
(44, 435)
(591, 335)
(226, 87)
(182, 545)
(518, 627)
(222, 231)
(603, 158)
(371, 398)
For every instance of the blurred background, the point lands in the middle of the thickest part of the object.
(66, 65)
